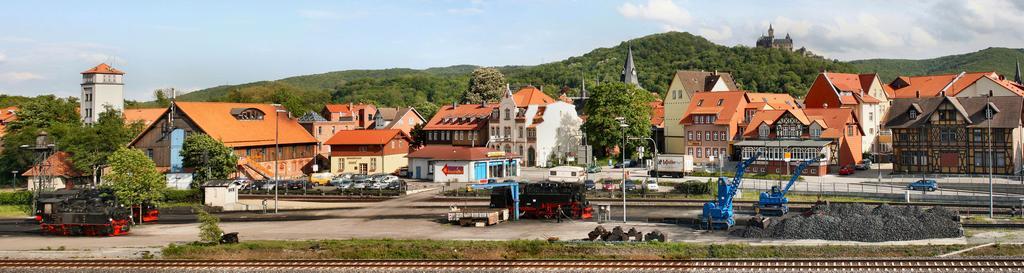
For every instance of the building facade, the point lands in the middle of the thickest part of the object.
(446, 163)
(102, 88)
(351, 116)
(536, 126)
(250, 129)
(711, 124)
(369, 151)
(833, 135)
(402, 118)
(460, 125)
(862, 92)
(963, 84)
(957, 135)
(677, 100)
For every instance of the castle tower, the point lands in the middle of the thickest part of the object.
(771, 31)
(102, 87)
(629, 70)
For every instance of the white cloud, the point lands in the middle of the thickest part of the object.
(665, 12)
(720, 34)
(3, 57)
(13, 77)
(918, 37)
(465, 11)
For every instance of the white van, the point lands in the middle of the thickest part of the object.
(567, 174)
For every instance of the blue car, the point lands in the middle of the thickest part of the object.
(924, 185)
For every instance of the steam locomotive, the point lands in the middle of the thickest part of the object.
(543, 199)
(90, 212)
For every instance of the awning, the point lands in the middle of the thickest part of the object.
(783, 143)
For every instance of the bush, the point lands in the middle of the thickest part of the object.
(209, 228)
(692, 187)
(181, 196)
(21, 197)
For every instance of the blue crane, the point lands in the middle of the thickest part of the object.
(718, 214)
(774, 202)
(513, 189)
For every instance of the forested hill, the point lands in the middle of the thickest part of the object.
(999, 59)
(657, 57)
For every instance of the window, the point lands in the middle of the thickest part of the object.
(520, 129)
(430, 168)
(553, 173)
(763, 131)
(508, 114)
(320, 131)
(394, 143)
(913, 114)
(689, 135)
(698, 152)
(871, 116)
(707, 152)
(373, 164)
(508, 132)
(720, 101)
(947, 135)
(850, 130)
(707, 135)
(149, 153)
(689, 151)
(699, 102)
(815, 130)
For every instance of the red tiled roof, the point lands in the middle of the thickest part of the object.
(770, 116)
(103, 69)
(146, 115)
(774, 100)
(217, 120)
(834, 118)
(530, 95)
(59, 165)
(733, 103)
(931, 85)
(365, 137)
(460, 117)
(658, 113)
(7, 115)
(448, 152)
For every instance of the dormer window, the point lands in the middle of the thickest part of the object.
(913, 114)
(990, 110)
(763, 131)
(247, 114)
(699, 102)
(815, 130)
(720, 101)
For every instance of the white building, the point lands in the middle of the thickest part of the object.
(532, 124)
(102, 87)
(446, 163)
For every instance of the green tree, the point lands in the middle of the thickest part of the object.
(486, 84)
(610, 100)
(419, 136)
(42, 113)
(91, 145)
(134, 178)
(209, 157)
(162, 100)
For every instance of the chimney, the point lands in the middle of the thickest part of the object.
(454, 105)
(483, 103)
(917, 94)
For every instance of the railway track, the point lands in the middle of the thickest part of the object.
(756, 265)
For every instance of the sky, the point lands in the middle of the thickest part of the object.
(190, 45)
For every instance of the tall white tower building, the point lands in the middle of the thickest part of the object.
(102, 87)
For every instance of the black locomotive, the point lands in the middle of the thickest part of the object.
(543, 199)
(90, 212)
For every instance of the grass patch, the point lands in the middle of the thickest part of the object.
(15, 211)
(526, 250)
(997, 250)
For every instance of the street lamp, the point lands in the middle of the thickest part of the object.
(277, 150)
(622, 150)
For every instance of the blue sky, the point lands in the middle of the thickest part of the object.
(196, 44)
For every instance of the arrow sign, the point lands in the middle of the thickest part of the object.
(449, 170)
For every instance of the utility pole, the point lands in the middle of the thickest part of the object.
(623, 125)
(989, 115)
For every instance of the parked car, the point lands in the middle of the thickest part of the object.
(321, 178)
(652, 186)
(270, 185)
(345, 184)
(846, 170)
(924, 185)
(298, 184)
(402, 172)
(594, 169)
(360, 178)
(589, 184)
(360, 184)
(397, 185)
(629, 164)
(631, 185)
(864, 165)
(388, 179)
(609, 186)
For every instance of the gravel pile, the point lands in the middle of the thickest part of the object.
(858, 222)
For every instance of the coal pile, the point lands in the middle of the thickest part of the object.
(858, 222)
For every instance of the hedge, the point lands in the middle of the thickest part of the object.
(21, 197)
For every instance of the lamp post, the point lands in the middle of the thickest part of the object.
(988, 115)
(277, 151)
(623, 125)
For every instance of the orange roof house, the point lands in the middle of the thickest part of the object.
(727, 106)
(530, 95)
(839, 125)
(7, 115)
(366, 137)
(953, 85)
(834, 90)
(461, 117)
(358, 115)
(250, 129)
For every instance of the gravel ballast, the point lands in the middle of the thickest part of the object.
(859, 222)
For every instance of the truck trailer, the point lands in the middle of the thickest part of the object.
(673, 165)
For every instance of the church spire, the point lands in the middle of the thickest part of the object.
(1016, 77)
(629, 70)
(771, 31)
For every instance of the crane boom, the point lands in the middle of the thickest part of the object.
(797, 172)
